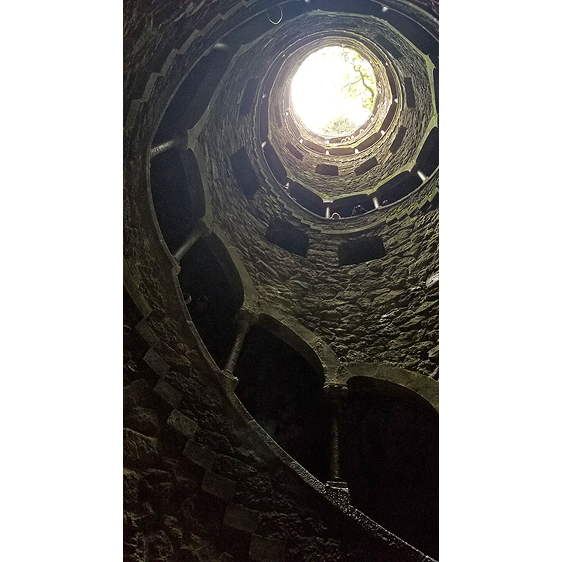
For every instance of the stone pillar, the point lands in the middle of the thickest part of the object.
(243, 323)
(376, 202)
(421, 175)
(336, 487)
(159, 149)
(327, 211)
(194, 235)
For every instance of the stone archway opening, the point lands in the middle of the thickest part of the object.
(389, 457)
(283, 392)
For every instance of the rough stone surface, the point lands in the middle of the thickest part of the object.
(376, 311)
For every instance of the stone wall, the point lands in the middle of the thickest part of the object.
(200, 483)
(202, 480)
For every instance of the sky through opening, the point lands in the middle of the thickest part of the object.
(333, 91)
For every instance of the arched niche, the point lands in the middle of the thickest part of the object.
(389, 458)
(213, 293)
(282, 391)
(177, 194)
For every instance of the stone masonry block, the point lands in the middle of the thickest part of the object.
(156, 363)
(218, 485)
(168, 393)
(147, 333)
(267, 550)
(182, 424)
(199, 455)
(241, 518)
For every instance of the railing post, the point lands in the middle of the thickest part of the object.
(335, 486)
(161, 148)
(243, 323)
(194, 235)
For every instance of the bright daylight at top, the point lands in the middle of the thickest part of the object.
(333, 91)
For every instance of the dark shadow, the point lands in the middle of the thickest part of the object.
(397, 142)
(410, 94)
(213, 292)
(287, 236)
(399, 186)
(388, 46)
(171, 198)
(361, 250)
(194, 94)
(428, 157)
(326, 169)
(283, 393)
(244, 173)
(366, 166)
(423, 40)
(390, 454)
(306, 198)
(248, 97)
(293, 150)
(275, 164)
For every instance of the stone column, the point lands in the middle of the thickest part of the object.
(194, 235)
(335, 487)
(327, 211)
(421, 175)
(376, 202)
(161, 148)
(243, 323)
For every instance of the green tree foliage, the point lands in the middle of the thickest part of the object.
(360, 81)
(338, 126)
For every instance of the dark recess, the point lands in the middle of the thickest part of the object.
(305, 198)
(194, 94)
(344, 207)
(366, 166)
(398, 187)
(171, 197)
(428, 158)
(423, 40)
(283, 393)
(390, 454)
(275, 163)
(293, 150)
(248, 97)
(436, 86)
(264, 119)
(370, 141)
(396, 143)
(340, 151)
(410, 95)
(244, 173)
(389, 46)
(216, 295)
(361, 250)
(326, 169)
(365, 7)
(314, 146)
(389, 116)
(287, 236)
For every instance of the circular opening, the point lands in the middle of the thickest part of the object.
(333, 91)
